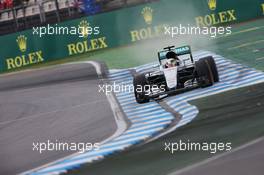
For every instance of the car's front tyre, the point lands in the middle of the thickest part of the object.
(205, 76)
(211, 62)
(139, 83)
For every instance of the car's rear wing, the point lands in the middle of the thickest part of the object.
(179, 51)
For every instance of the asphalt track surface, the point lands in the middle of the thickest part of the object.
(247, 160)
(59, 103)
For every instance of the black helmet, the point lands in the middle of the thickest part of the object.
(171, 54)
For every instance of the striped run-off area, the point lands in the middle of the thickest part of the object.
(151, 119)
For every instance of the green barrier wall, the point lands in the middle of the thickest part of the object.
(122, 27)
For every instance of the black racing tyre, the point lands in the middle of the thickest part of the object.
(140, 80)
(204, 73)
(213, 67)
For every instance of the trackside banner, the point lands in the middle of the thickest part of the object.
(117, 28)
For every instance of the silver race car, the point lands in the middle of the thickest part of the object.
(177, 72)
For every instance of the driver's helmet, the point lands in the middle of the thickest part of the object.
(171, 62)
(172, 59)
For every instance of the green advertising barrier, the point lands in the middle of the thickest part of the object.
(121, 27)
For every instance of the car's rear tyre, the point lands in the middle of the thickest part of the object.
(141, 96)
(204, 73)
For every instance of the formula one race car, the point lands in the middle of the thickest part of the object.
(177, 73)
